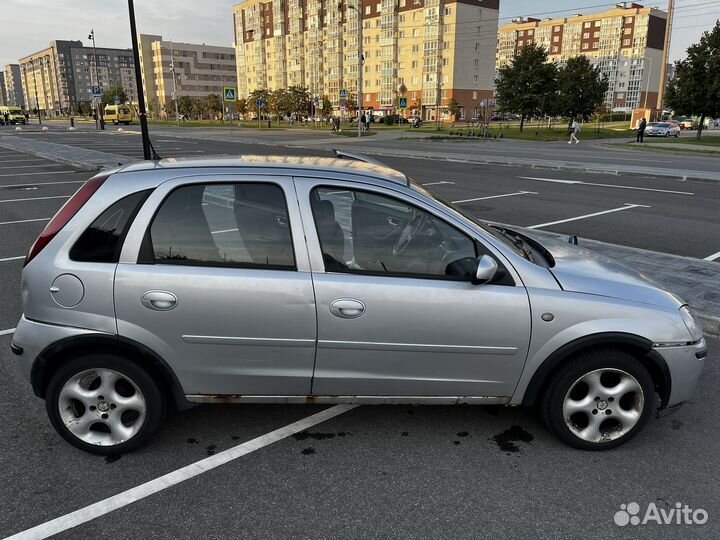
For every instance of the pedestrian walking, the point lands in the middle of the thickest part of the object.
(641, 131)
(363, 122)
(574, 130)
(6, 119)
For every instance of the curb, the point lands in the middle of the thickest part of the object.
(72, 162)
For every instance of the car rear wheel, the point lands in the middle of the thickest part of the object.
(599, 400)
(104, 404)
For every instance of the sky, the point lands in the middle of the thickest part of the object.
(34, 23)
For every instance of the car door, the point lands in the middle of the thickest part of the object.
(399, 316)
(214, 278)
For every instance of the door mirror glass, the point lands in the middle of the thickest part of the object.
(486, 270)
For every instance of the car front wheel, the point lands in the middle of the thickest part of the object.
(599, 400)
(104, 404)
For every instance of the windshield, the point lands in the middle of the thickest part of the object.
(660, 125)
(475, 221)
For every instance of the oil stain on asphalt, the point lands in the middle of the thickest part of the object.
(506, 440)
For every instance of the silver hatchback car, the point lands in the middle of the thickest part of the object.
(314, 280)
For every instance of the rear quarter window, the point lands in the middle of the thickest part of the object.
(102, 240)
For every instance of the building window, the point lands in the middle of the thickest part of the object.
(448, 11)
(521, 33)
(475, 79)
(556, 28)
(628, 31)
(586, 35)
(530, 32)
(629, 20)
(587, 25)
(474, 94)
(556, 39)
(626, 42)
(367, 10)
(585, 45)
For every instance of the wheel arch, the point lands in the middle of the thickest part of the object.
(52, 357)
(637, 346)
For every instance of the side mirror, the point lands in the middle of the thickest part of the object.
(485, 271)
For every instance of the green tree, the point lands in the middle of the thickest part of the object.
(214, 104)
(200, 107)
(185, 105)
(453, 108)
(351, 106)
(580, 90)
(695, 89)
(108, 96)
(300, 99)
(169, 108)
(279, 103)
(241, 106)
(527, 84)
(260, 93)
(327, 106)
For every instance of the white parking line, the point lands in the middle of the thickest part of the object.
(6, 259)
(6, 167)
(100, 508)
(437, 183)
(213, 232)
(713, 257)
(35, 173)
(7, 332)
(495, 197)
(604, 185)
(37, 198)
(24, 221)
(2, 186)
(627, 206)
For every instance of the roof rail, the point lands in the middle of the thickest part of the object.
(359, 157)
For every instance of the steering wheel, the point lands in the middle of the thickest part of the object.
(409, 232)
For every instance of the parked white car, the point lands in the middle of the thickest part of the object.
(662, 129)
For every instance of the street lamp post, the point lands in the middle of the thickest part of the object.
(174, 96)
(98, 108)
(37, 101)
(361, 61)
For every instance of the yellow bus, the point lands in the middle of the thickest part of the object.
(118, 114)
(15, 114)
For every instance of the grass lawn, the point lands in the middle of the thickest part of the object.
(531, 133)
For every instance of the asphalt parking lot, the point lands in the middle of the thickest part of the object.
(371, 472)
(664, 215)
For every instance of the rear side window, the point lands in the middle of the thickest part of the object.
(239, 225)
(102, 240)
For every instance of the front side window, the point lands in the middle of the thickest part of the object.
(239, 225)
(363, 232)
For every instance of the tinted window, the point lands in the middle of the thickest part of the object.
(362, 232)
(102, 241)
(243, 225)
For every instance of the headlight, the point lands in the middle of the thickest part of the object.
(692, 325)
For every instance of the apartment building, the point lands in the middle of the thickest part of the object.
(626, 42)
(199, 70)
(59, 79)
(13, 86)
(3, 90)
(438, 50)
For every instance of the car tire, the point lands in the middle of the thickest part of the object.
(104, 404)
(599, 400)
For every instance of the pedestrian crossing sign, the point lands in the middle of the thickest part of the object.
(229, 94)
(402, 102)
(343, 93)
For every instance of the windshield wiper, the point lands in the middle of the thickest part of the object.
(517, 241)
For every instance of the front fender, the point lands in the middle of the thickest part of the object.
(590, 320)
